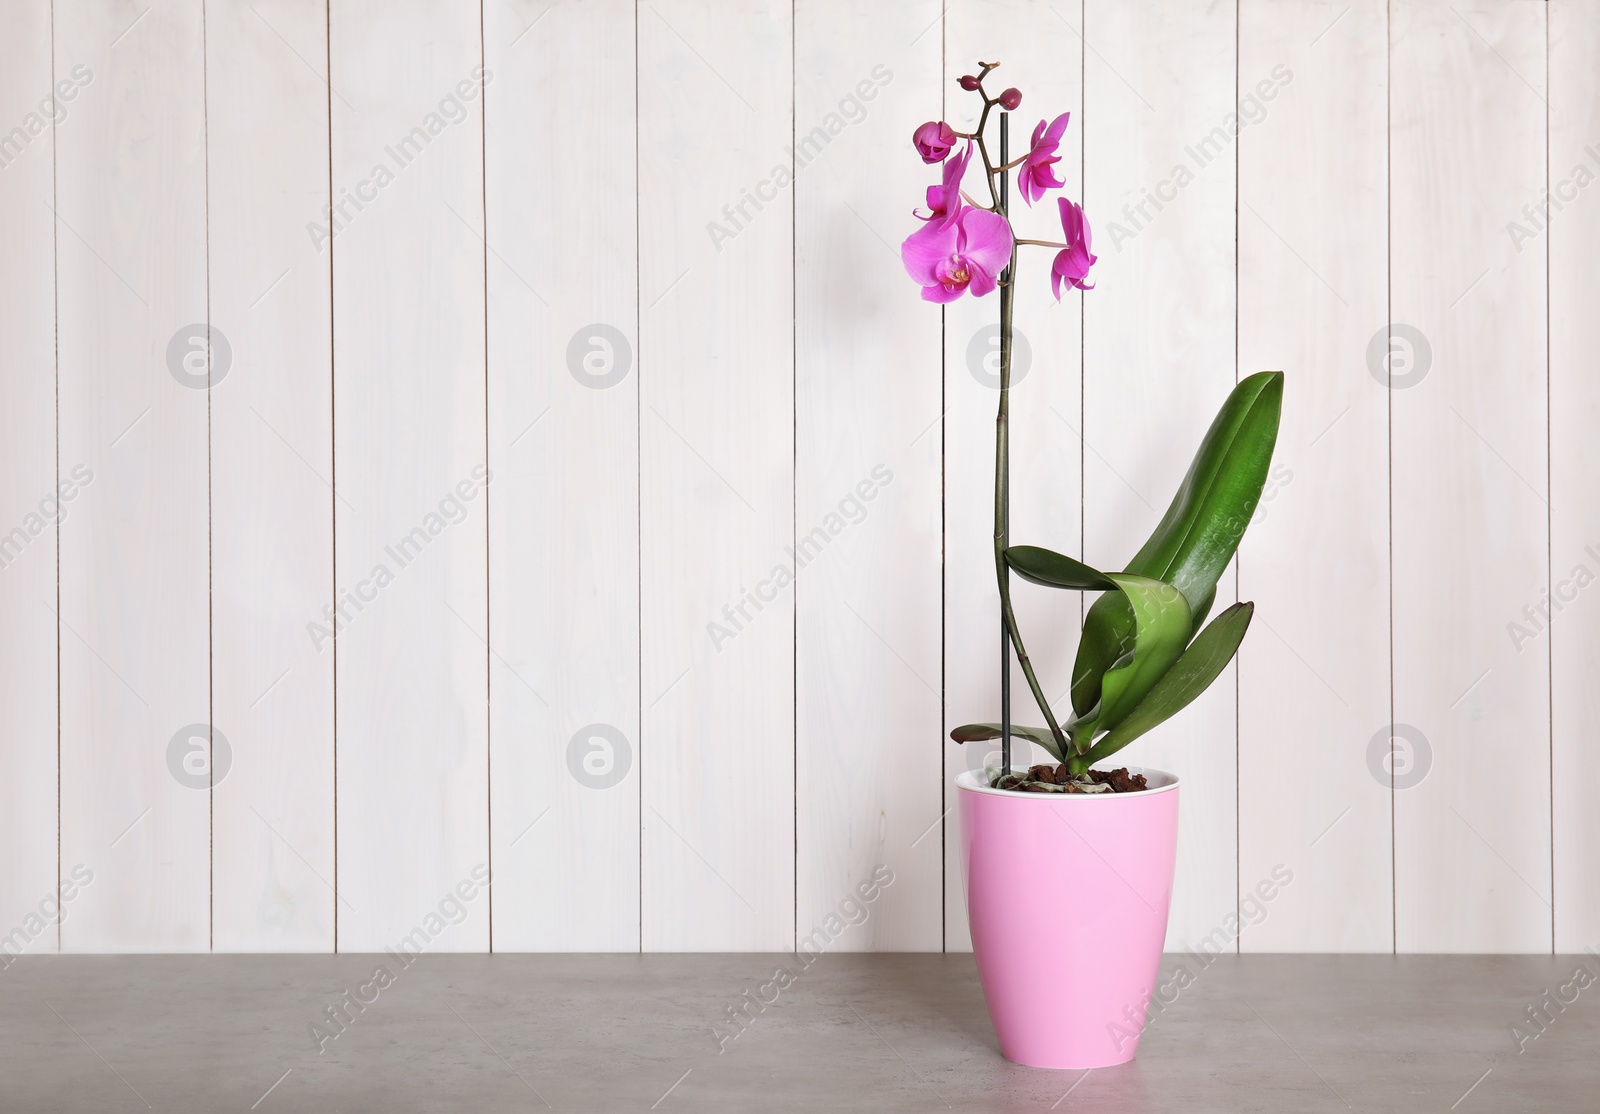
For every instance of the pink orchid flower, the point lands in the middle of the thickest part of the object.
(1073, 262)
(944, 201)
(933, 140)
(1036, 175)
(969, 249)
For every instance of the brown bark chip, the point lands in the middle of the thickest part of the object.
(1119, 780)
(1040, 778)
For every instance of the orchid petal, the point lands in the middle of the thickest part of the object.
(986, 240)
(925, 249)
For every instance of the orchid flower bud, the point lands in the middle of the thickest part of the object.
(933, 140)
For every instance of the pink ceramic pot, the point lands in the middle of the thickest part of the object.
(1067, 896)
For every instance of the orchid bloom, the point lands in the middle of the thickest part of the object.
(1073, 262)
(969, 249)
(944, 201)
(934, 140)
(1036, 174)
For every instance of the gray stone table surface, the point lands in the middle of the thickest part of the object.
(512, 1032)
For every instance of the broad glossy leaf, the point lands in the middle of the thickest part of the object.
(1161, 630)
(1200, 532)
(978, 732)
(1056, 570)
(1191, 675)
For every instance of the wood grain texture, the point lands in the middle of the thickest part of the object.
(1570, 225)
(131, 272)
(1159, 358)
(271, 468)
(527, 196)
(409, 382)
(564, 419)
(30, 502)
(1041, 53)
(717, 477)
(1472, 869)
(1314, 671)
(867, 403)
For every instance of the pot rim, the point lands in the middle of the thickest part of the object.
(972, 782)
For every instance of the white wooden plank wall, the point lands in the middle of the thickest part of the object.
(272, 505)
(607, 317)
(867, 474)
(130, 227)
(563, 444)
(410, 460)
(1572, 233)
(1314, 674)
(1470, 471)
(28, 491)
(717, 476)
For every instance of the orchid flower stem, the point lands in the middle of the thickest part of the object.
(988, 166)
(983, 147)
(1002, 467)
(1044, 243)
(1010, 634)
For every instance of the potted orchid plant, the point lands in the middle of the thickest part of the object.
(1062, 851)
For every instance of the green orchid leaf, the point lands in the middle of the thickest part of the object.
(1191, 675)
(1198, 535)
(979, 732)
(1160, 632)
(1056, 570)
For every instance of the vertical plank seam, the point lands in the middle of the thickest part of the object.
(944, 679)
(1083, 316)
(488, 581)
(211, 669)
(638, 470)
(333, 457)
(55, 313)
(794, 489)
(1549, 509)
(1388, 253)
(1238, 564)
